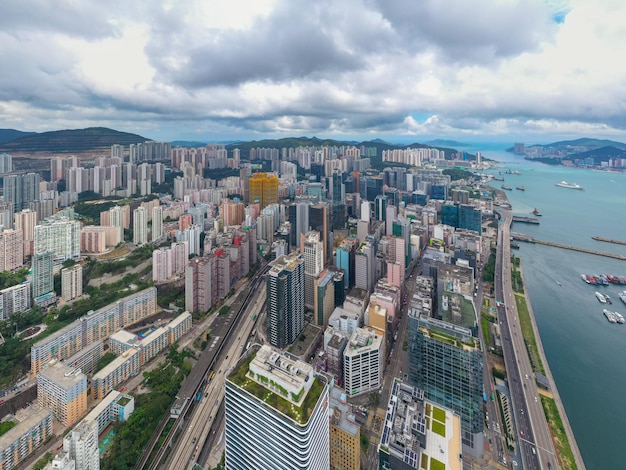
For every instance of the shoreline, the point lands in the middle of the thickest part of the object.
(548, 372)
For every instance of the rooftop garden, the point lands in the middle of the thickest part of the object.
(298, 413)
(123, 401)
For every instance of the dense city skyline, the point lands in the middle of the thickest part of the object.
(538, 71)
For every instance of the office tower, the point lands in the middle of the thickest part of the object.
(319, 220)
(263, 188)
(324, 297)
(82, 445)
(140, 226)
(200, 284)
(344, 259)
(43, 279)
(446, 361)
(72, 282)
(276, 413)
(19, 190)
(11, 249)
(338, 188)
(6, 163)
(313, 250)
(157, 222)
(402, 229)
(345, 434)
(380, 207)
(364, 361)
(285, 300)
(298, 216)
(470, 218)
(63, 389)
(364, 266)
(418, 433)
(450, 214)
(61, 236)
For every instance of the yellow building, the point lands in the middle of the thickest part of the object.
(345, 434)
(264, 187)
(63, 389)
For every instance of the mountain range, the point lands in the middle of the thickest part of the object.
(73, 141)
(100, 139)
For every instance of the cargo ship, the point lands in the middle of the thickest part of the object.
(565, 184)
(600, 298)
(521, 188)
(508, 188)
(610, 316)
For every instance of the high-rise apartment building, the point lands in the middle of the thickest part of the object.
(285, 300)
(263, 187)
(61, 236)
(140, 226)
(200, 284)
(6, 163)
(157, 222)
(11, 249)
(82, 445)
(19, 190)
(276, 413)
(22, 440)
(63, 389)
(72, 282)
(446, 361)
(43, 278)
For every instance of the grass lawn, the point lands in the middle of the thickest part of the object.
(439, 414)
(527, 330)
(436, 464)
(439, 428)
(558, 432)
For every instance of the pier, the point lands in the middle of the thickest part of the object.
(609, 240)
(527, 238)
(525, 220)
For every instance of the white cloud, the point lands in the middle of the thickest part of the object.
(210, 69)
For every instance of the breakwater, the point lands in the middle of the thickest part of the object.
(526, 238)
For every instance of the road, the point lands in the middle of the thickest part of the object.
(533, 434)
(198, 429)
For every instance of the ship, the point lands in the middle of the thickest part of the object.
(521, 188)
(495, 178)
(584, 278)
(508, 188)
(537, 213)
(610, 316)
(600, 298)
(608, 299)
(565, 184)
(622, 296)
(619, 317)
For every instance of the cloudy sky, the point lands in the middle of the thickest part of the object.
(214, 70)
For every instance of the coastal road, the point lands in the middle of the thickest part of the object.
(533, 434)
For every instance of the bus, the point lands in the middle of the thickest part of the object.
(253, 333)
(254, 317)
(492, 397)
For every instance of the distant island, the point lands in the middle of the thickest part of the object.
(583, 152)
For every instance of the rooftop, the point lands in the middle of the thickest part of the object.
(179, 319)
(64, 376)
(113, 365)
(22, 428)
(283, 383)
(364, 339)
(341, 413)
(419, 433)
(125, 337)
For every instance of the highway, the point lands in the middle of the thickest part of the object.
(493, 432)
(534, 440)
(199, 425)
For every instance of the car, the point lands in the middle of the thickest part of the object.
(521, 432)
(213, 433)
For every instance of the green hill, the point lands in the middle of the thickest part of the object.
(599, 155)
(7, 135)
(71, 141)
